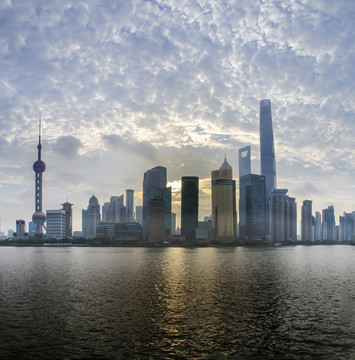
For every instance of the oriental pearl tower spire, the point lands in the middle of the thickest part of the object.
(38, 167)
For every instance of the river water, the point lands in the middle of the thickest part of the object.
(177, 303)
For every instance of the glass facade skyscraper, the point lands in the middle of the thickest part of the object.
(267, 153)
(267, 150)
(244, 161)
(189, 206)
(130, 205)
(283, 216)
(252, 205)
(154, 184)
(223, 202)
(328, 224)
(306, 218)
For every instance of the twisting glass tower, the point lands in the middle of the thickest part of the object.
(39, 167)
(267, 153)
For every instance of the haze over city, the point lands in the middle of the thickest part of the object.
(123, 87)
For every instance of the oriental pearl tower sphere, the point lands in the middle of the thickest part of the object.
(39, 167)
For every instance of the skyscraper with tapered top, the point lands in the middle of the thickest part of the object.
(267, 153)
(244, 161)
(39, 167)
(223, 202)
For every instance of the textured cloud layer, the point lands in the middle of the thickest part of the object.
(127, 85)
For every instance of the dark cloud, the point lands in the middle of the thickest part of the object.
(67, 146)
(142, 149)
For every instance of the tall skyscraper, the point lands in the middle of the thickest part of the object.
(346, 226)
(116, 211)
(129, 205)
(189, 206)
(173, 224)
(167, 197)
(104, 209)
(318, 227)
(93, 217)
(39, 167)
(31, 228)
(139, 214)
(223, 202)
(244, 161)
(306, 221)
(156, 219)
(154, 184)
(328, 224)
(67, 207)
(282, 216)
(267, 153)
(267, 150)
(252, 205)
(84, 223)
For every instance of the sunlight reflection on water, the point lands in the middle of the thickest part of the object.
(177, 302)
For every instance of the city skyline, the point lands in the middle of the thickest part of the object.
(124, 88)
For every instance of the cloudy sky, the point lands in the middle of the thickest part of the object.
(124, 86)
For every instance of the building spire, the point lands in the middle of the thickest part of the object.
(39, 146)
(39, 127)
(39, 167)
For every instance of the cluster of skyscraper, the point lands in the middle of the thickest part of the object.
(265, 212)
(322, 227)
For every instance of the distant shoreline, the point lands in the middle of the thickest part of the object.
(128, 243)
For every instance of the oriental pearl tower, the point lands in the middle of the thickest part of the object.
(38, 167)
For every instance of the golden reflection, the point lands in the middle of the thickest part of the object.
(185, 292)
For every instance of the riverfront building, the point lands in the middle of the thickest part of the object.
(318, 226)
(267, 153)
(20, 229)
(56, 224)
(346, 226)
(154, 185)
(223, 202)
(129, 205)
(104, 209)
(116, 211)
(282, 216)
(67, 207)
(139, 214)
(252, 206)
(93, 217)
(328, 224)
(244, 161)
(156, 219)
(306, 221)
(189, 206)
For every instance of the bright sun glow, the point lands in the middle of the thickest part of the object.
(175, 185)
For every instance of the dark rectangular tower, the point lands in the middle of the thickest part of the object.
(306, 221)
(154, 182)
(252, 206)
(189, 206)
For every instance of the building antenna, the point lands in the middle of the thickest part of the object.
(39, 127)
